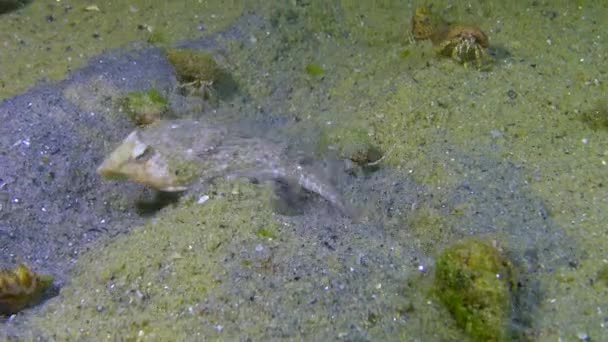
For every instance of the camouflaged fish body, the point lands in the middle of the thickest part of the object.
(182, 154)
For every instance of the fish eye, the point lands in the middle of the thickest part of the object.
(145, 155)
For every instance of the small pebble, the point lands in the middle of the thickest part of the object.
(582, 336)
(495, 133)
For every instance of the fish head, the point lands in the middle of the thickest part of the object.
(137, 161)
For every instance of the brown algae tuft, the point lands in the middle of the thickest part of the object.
(474, 281)
(20, 288)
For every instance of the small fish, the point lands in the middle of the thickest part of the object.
(175, 155)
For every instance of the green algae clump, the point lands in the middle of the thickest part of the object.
(193, 66)
(597, 116)
(474, 281)
(314, 69)
(602, 275)
(20, 288)
(144, 108)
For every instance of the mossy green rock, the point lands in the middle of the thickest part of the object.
(194, 66)
(144, 108)
(474, 280)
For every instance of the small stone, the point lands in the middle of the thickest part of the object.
(496, 133)
(582, 336)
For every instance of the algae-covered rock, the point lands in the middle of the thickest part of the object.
(144, 108)
(198, 73)
(194, 66)
(474, 281)
(20, 288)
